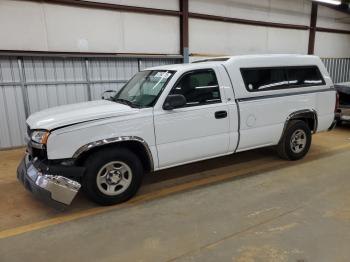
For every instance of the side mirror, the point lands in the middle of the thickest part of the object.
(108, 94)
(174, 101)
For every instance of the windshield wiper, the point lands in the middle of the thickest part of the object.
(126, 102)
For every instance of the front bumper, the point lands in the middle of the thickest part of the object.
(55, 190)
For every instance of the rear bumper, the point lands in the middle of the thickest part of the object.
(343, 114)
(55, 190)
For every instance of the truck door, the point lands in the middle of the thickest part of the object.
(198, 130)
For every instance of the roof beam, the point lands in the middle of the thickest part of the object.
(246, 21)
(108, 6)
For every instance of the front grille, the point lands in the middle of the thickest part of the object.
(39, 153)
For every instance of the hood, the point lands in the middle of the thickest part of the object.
(76, 113)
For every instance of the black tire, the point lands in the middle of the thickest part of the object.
(285, 149)
(94, 164)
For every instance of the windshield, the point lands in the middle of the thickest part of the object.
(144, 88)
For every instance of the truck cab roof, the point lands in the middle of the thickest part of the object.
(246, 61)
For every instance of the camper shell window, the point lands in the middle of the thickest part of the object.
(275, 78)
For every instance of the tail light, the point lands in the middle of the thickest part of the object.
(336, 102)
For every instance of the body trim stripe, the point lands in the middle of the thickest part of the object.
(81, 122)
(252, 98)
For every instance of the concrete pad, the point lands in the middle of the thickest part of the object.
(274, 211)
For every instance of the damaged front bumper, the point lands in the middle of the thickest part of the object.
(53, 189)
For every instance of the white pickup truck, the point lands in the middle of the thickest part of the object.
(172, 115)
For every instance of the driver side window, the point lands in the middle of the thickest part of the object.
(199, 87)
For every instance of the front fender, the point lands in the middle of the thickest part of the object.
(66, 142)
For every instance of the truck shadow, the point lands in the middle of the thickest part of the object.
(211, 165)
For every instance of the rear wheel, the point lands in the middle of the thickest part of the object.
(112, 176)
(296, 141)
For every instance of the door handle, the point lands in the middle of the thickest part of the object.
(220, 114)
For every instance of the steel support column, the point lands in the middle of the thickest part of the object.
(87, 78)
(313, 25)
(23, 87)
(139, 64)
(184, 49)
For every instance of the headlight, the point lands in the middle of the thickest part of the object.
(40, 136)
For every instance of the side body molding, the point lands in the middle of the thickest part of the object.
(303, 114)
(114, 140)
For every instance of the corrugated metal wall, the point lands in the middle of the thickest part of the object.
(338, 68)
(30, 84)
(12, 112)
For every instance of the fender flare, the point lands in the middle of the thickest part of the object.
(115, 140)
(305, 113)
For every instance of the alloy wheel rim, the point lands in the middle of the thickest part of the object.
(114, 178)
(298, 141)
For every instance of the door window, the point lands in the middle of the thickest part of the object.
(198, 87)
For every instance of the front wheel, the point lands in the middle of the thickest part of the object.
(112, 176)
(296, 141)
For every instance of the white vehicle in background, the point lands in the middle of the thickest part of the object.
(172, 115)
